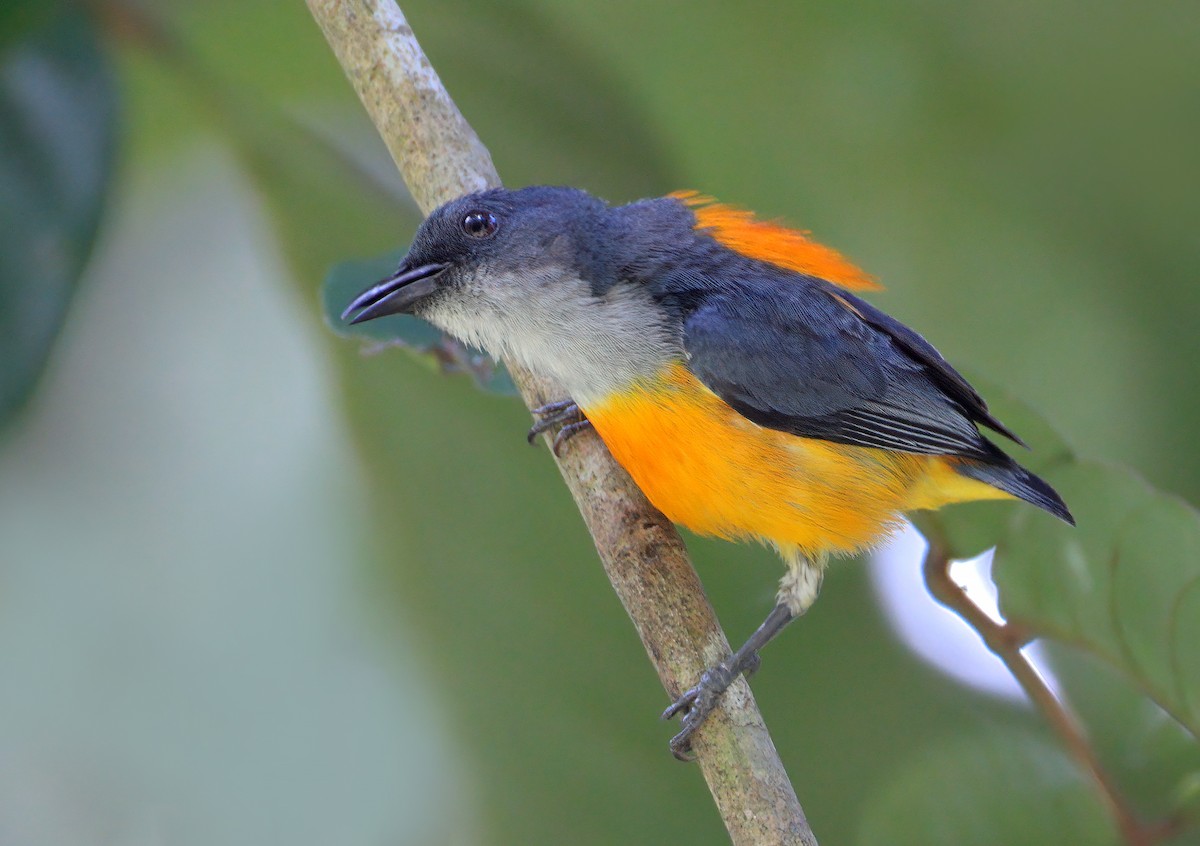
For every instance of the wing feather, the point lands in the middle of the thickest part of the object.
(806, 361)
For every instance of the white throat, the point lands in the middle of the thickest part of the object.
(554, 326)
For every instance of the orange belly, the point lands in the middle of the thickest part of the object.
(709, 468)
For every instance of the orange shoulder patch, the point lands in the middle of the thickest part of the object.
(741, 231)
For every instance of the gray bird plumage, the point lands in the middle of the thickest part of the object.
(613, 302)
(620, 291)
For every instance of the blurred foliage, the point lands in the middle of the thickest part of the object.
(1118, 584)
(1028, 193)
(58, 128)
(947, 795)
(19, 17)
(1153, 756)
(1119, 587)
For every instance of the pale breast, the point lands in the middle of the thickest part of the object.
(593, 346)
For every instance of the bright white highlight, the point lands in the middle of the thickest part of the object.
(937, 634)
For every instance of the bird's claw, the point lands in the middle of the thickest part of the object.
(696, 704)
(565, 414)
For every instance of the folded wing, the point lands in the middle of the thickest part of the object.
(797, 355)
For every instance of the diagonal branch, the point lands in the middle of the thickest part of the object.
(1006, 641)
(441, 158)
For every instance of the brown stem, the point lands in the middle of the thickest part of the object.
(441, 158)
(1006, 641)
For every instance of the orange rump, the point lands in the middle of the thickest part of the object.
(741, 231)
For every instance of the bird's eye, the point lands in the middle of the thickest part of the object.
(480, 224)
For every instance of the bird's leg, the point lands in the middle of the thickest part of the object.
(696, 704)
(797, 591)
(564, 413)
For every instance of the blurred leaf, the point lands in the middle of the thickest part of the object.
(58, 115)
(1121, 584)
(1118, 585)
(1154, 760)
(1156, 568)
(349, 278)
(1003, 786)
(1185, 634)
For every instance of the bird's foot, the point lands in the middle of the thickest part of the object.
(564, 413)
(696, 704)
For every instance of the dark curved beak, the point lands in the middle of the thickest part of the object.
(396, 294)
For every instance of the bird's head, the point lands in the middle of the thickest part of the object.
(551, 276)
(489, 253)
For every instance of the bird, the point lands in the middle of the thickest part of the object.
(728, 365)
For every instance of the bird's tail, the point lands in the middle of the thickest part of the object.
(1009, 476)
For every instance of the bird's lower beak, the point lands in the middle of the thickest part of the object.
(396, 294)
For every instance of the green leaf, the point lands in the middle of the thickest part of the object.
(1156, 567)
(1185, 634)
(1153, 759)
(58, 115)
(1000, 787)
(1119, 585)
(1058, 577)
(348, 278)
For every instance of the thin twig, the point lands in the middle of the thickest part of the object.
(1006, 642)
(441, 158)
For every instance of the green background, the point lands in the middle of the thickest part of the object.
(258, 587)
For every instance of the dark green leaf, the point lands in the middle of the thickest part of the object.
(1155, 568)
(58, 113)
(1153, 759)
(1118, 585)
(1121, 584)
(1185, 635)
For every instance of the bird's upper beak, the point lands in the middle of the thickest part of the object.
(397, 293)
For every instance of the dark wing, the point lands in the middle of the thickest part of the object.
(946, 377)
(793, 354)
